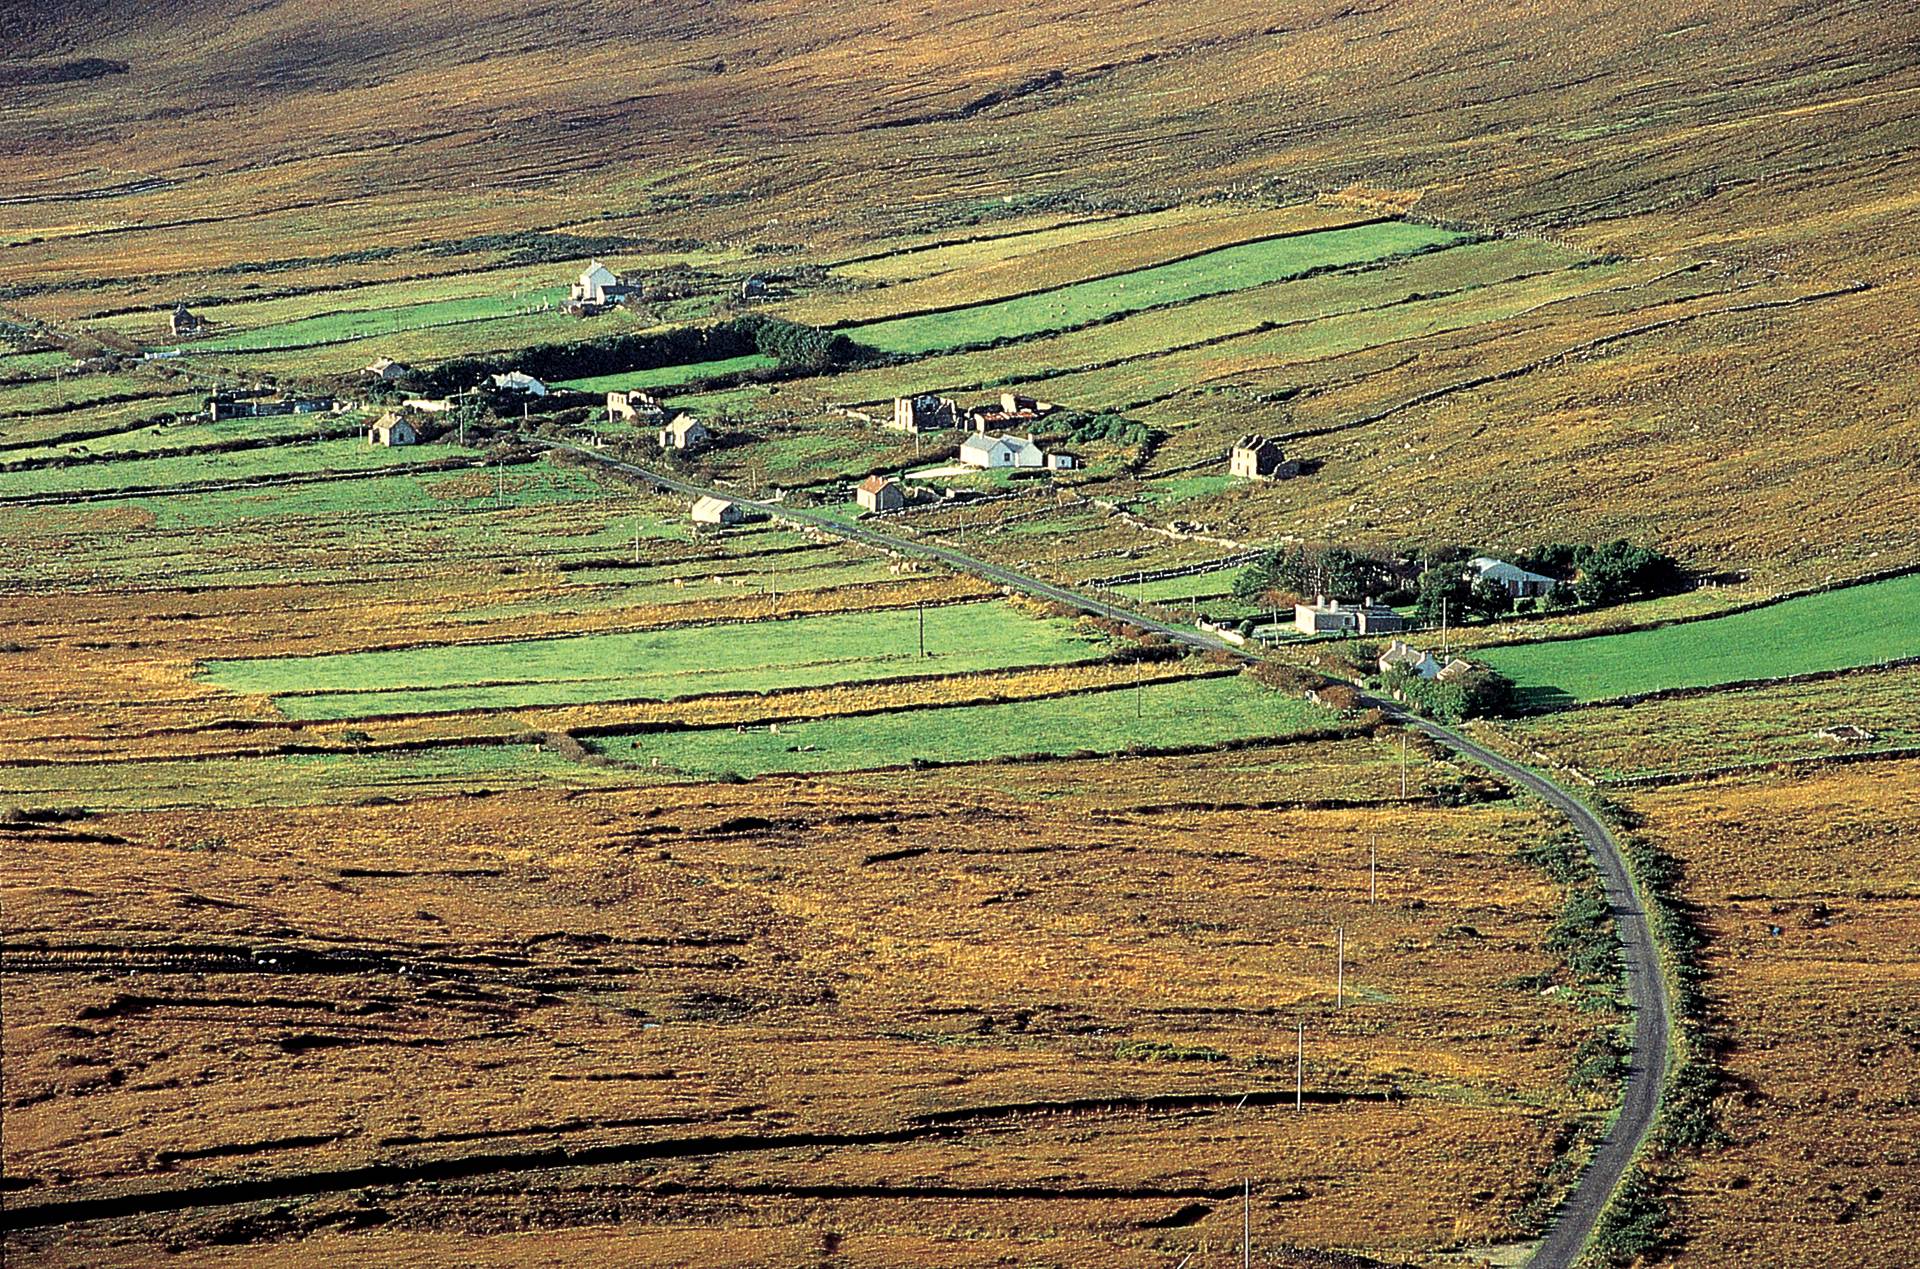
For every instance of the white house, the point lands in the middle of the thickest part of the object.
(991, 452)
(517, 381)
(1516, 581)
(1402, 656)
(392, 429)
(711, 510)
(685, 432)
(1327, 616)
(600, 286)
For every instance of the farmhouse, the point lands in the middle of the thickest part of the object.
(518, 381)
(598, 288)
(386, 368)
(878, 493)
(711, 510)
(1325, 616)
(392, 429)
(925, 413)
(685, 432)
(992, 452)
(185, 323)
(1402, 656)
(1516, 581)
(637, 407)
(1257, 458)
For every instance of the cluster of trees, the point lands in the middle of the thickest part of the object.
(1303, 571)
(1609, 572)
(794, 345)
(1480, 692)
(1077, 425)
(1592, 575)
(797, 346)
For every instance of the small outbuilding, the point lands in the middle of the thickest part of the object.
(684, 432)
(711, 510)
(392, 429)
(1256, 457)
(521, 382)
(880, 493)
(386, 368)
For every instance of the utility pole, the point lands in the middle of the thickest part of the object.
(1300, 1068)
(1403, 763)
(1340, 967)
(1373, 871)
(1443, 627)
(920, 606)
(1246, 1223)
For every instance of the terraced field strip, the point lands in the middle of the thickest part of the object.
(655, 664)
(670, 376)
(1836, 629)
(74, 426)
(1215, 272)
(1456, 275)
(159, 439)
(70, 392)
(999, 268)
(1718, 731)
(349, 454)
(336, 327)
(1184, 712)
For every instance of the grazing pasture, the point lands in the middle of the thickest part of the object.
(1206, 711)
(1080, 304)
(658, 664)
(1831, 630)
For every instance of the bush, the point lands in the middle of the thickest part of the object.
(1637, 1223)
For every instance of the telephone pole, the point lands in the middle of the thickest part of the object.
(1300, 1068)
(1373, 871)
(920, 607)
(1246, 1223)
(1340, 967)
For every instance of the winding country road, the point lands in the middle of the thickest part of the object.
(1574, 1221)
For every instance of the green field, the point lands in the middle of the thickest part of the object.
(669, 376)
(136, 441)
(1235, 268)
(1213, 582)
(1182, 712)
(655, 664)
(1838, 629)
(327, 328)
(345, 454)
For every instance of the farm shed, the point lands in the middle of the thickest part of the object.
(880, 493)
(710, 510)
(1255, 457)
(392, 429)
(521, 382)
(685, 432)
(1516, 581)
(386, 368)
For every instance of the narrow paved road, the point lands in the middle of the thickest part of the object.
(1646, 988)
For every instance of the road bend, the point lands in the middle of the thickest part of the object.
(1574, 1220)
